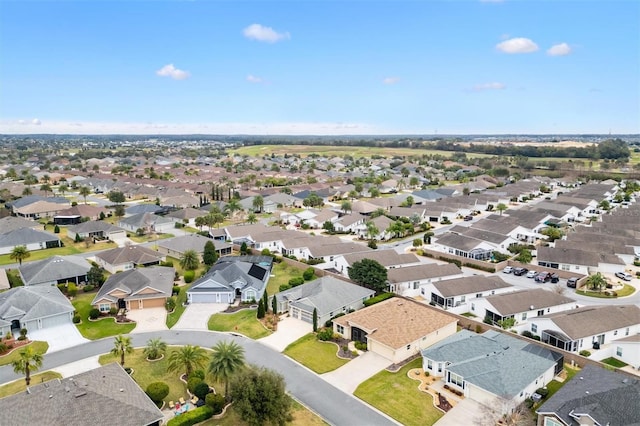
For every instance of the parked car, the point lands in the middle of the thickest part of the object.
(520, 271)
(555, 278)
(572, 282)
(531, 274)
(543, 277)
(468, 218)
(507, 270)
(624, 276)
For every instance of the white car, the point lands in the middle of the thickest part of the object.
(531, 274)
(507, 270)
(625, 276)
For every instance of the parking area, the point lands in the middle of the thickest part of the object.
(59, 337)
(149, 319)
(289, 330)
(196, 316)
(349, 376)
(466, 412)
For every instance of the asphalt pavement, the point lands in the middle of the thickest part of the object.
(333, 405)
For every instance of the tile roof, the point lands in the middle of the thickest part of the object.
(107, 392)
(54, 268)
(397, 322)
(608, 397)
(588, 320)
(526, 300)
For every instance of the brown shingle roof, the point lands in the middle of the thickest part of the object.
(592, 320)
(136, 254)
(421, 272)
(397, 322)
(468, 285)
(523, 301)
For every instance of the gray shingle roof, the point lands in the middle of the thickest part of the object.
(191, 242)
(526, 300)
(608, 397)
(139, 255)
(94, 226)
(11, 223)
(26, 303)
(588, 320)
(468, 285)
(24, 236)
(229, 276)
(496, 362)
(107, 392)
(134, 280)
(326, 294)
(54, 268)
(421, 272)
(386, 258)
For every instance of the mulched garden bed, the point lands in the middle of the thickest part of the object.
(443, 404)
(232, 309)
(394, 368)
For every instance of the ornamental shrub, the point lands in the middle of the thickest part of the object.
(201, 390)
(192, 383)
(77, 319)
(296, 281)
(157, 391)
(198, 373)
(215, 401)
(87, 288)
(585, 352)
(189, 276)
(192, 417)
(325, 334)
(308, 274)
(378, 298)
(72, 289)
(94, 313)
(113, 311)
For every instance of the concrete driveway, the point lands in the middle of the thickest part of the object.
(356, 371)
(196, 316)
(289, 330)
(466, 412)
(59, 337)
(148, 319)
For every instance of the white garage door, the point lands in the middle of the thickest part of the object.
(205, 298)
(56, 320)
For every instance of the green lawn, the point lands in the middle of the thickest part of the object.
(283, 273)
(398, 396)
(38, 347)
(614, 362)
(626, 291)
(173, 317)
(180, 271)
(554, 385)
(145, 372)
(244, 322)
(301, 417)
(94, 330)
(318, 356)
(20, 386)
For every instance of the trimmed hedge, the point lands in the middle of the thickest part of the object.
(201, 390)
(189, 276)
(377, 299)
(215, 401)
(94, 313)
(157, 391)
(192, 417)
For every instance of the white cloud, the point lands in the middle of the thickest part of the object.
(489, 86)
(254, 79)
(561, 49)
(170, 71)
(390, 80)
(36, 122)
(265, 34)
(517, 45)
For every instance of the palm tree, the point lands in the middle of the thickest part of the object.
(372, 230)
(84, 192)
(122, 346)
(19, 253)
(258, 203)
(345, 206)
(155, 348)
(501, 207)
(596, 282)
(27, 362)
(62, 188)
(189, 357)
(190, 260)
(252, 218)
(227, 358)
(233, 206)
(46, 188)
(200, 222)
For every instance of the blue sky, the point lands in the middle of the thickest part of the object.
(329, 67)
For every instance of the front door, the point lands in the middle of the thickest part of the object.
(140, 304)
(217, 297)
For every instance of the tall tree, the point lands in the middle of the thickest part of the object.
(226, 360)
(121, 346)
(62, 188)
(258, 203)
(27, 362)
(345, 206)
(189, 260)
(188, 357)
(259, 396)
(501, 207)
(369, 273)
(46, 188)
(210, 255)
(84, 192)
(19, 253)
(315, 320)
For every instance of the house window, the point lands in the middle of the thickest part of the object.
(473, 307)
(429, 364)
(524, 316)
(618, 351)
(478, 295)
(456, 380)
(104, 307)
(415, 284)
(615, 332)
(565, 267)
(626, 332)
(408, 347)
(549, 421)
(339, 329)
(534, 328)
(462, 299)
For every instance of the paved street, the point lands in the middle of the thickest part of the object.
(335, 406)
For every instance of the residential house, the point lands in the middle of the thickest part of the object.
(382, 223)
(492, 368)
(36, 206)
(388, 258)
(186, 216)
(78, 213)
(461, 293)
(231, 277)
(129, 257)
(329, 296)
(410, 280)
(349, 223)
(101, 393)
(175, 247)
(55, 270)
(396, 328)
(521, 305)
(137, 209)
(11, 223)
(147, 223)
(136, 289)
(33, 308)
(588, 327)
(96, 230)
(579, 261)
(594, 396)
(461, 245)
(30, 238)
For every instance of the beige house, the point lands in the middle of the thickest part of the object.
(396, 328)
(136, 289)
(129, 257)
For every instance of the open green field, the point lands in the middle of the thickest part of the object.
(398, 396)
(328, 150)
(244, 322)
(315, 355)
(37, 347)
(94, 330)
(20, 385)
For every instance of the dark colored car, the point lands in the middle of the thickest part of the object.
(572, 282)
(468, 218)
(555, 278)
(520, 271)
(543, 277)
